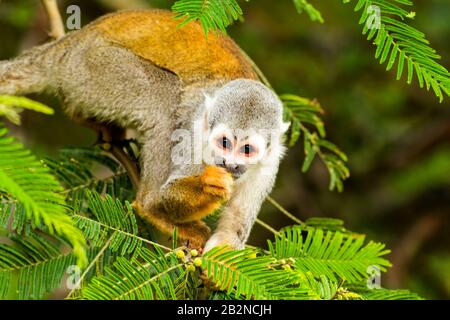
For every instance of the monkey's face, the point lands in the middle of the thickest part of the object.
(243, 126)
(234, 149)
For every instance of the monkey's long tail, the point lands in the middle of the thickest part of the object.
(28, 73)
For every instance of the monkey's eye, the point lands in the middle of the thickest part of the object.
(248, 150)
(224, 143)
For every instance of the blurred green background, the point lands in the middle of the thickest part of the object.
(397, 136)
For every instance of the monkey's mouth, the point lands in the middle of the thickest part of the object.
(236, 173)
(236, 170)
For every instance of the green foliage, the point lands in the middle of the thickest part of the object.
(10, 106)
(396, 41)
(146, 276)
(313, 13)
(314, 261)
(212, 14)
(331, 254)
(109, 223)
(243, 273)
(38, 264)
(300, 111)
(302, 263)
(27, 180)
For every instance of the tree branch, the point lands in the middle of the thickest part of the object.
(56, 24)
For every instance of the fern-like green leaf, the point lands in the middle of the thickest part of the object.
(111, 221)
(73, 168)
(212, 14)
(332, 254)
(241, 272)
(396, 41)
(146, 276)
(386, 294)
(300, 112)
(10, 106)
(27, 180)
(313, 13)
(39, 264)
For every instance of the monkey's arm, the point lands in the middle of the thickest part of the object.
(240, 213)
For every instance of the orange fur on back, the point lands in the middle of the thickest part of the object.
(154, 35)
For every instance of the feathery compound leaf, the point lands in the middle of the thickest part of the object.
(27, 180)
(300, 111)
(241, 272)
(313, 13)
(112, 221)
(397, 41)
(146, 276)
(212, 14)
(39, 264)
(331, 254)
(385, 294)
(10, 106)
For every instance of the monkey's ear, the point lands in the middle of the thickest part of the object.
(285, 126)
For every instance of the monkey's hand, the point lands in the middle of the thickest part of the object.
(224, 238)
(192, 198)
(217, 182)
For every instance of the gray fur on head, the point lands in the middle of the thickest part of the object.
(245, 104)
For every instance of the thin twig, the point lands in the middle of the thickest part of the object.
(266, 226)
(99, 254)
(56, 24)
(284, 211)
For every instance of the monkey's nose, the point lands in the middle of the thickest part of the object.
(236, 170)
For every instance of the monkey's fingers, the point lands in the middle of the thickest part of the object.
(217, 181)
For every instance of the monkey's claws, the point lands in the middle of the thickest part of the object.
(217, 181)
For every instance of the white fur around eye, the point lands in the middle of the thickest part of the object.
(219, 131)
(259, 143)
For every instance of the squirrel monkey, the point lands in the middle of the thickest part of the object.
(137, 69)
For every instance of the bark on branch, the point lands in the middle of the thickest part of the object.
(56, 24)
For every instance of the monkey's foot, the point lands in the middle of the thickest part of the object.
(217, 181)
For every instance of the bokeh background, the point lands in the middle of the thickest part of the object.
(397, 137)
